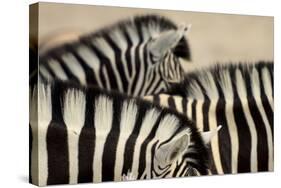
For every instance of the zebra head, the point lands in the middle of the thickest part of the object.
(167, 51)
(184, 154)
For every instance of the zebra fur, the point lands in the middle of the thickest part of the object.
(240, 98)
(85, 134)
(139, 56)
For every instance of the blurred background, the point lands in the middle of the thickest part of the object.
(213, 37)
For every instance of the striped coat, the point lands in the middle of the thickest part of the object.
(239, 97)
(90, 135)
(138, 56)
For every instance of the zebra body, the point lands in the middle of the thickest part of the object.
(90, 135)
(140, 56)
(240, 99)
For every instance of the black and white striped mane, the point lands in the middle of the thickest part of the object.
(222, 79)
(152, 25)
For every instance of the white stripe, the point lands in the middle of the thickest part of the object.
(199, 115)
(74, 117)
(189, 108)
(39, 162)
(257, 95)
(33, 120)
(198, 107)
(57, 69)
(75, 67)
(103, 120)
(91, 60)
(178, 102)
(149, 120)
(241, 88)
(107, 51)
(128, 119)
(45, 73)
(267, 84)
(106, 77)
(164, 100)
(212, 92)
(135, 42)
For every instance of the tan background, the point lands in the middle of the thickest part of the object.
(213, 37)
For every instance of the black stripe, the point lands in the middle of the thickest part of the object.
(156, 99)
(87, 142)
(118, 62)
(128, 51)
(156, 85)
(130, 144)
(48, 68)
(67, 71)
(57, 147)
(149, 85)
(145, 69)
(106, 62)
(223, 134)
(89, 73)
(244, 137)
(171, 103)
(100, 73)
(110, 146)
(142, 160)
(30, 151)
(193, 107)
(262, 149)
(184, 106)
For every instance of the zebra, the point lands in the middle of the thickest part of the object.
(239, 97)
(87, 134)
(138, 56)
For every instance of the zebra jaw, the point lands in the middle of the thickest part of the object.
(168, 40)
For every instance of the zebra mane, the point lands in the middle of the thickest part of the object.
(145, 26)
(69, 92)
(249, 79)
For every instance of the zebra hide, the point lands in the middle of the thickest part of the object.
(239, 97)
(86, 134)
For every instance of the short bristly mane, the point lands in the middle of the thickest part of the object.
(248, 78)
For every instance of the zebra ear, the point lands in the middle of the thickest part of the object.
(170, 151)
(207, 136)
(167, 40)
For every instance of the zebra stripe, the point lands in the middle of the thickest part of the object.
(238, 97)
(91, 135)
(140, 56)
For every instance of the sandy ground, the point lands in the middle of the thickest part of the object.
(213, 37)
